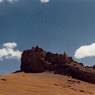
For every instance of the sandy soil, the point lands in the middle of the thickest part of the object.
(43, 84)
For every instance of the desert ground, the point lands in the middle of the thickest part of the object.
(43, 84)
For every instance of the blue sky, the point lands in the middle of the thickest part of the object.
(57, 25)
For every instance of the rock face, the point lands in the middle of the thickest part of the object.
(37, 60)
(33, 60)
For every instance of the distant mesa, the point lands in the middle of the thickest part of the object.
(37, 60)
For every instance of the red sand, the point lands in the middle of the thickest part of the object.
(43, 84)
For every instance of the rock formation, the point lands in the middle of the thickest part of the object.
(37, 60)
(33, 60)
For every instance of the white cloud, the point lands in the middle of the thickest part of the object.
(45, 1)
(85, 51)
(10, 45)
(9, 51)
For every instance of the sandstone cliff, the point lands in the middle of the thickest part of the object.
(37, 60)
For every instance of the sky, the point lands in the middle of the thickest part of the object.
(54, 25)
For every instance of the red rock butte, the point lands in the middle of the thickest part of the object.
(37, 60)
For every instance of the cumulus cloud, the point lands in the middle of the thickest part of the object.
(85, 51)
(9, 51)
(44, 1)
(10, 45)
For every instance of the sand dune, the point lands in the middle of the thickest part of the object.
(43, 84)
